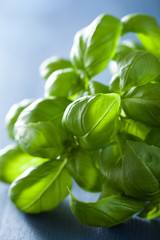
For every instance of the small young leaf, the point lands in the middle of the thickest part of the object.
(95, 45)
(41, 188)
(106, 212)
(52, 64)
(13, 162)
(151, 210)
(63, 83)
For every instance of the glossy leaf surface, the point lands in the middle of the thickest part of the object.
(41, 188)
(93, 119)
(95, 45)
(38, 129)
(107, 212)
(52, 64)
(13, 114)
(147, 30)
(13, 162)
(143, 104)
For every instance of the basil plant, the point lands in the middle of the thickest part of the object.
(105, 137)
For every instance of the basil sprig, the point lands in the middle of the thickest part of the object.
(106, 138)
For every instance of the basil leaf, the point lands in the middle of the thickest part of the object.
(137, 68)
(41, 188)
(151, 210)
(111, 164)
(107, 212)
(13, 114)
(63, 83)
(143, 104)
(153, 138)
(13, 162)
(95, 44)
(147, 30)
(83, 166)
(126, 45)
(96, 87)
(38, 129)
(93, 119)
(137, 129)
(52, 64)
(141, 171)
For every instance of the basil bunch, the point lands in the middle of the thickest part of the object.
(105, 137)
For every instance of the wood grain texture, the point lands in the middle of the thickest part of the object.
(60, 224)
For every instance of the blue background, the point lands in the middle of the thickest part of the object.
(30, 31)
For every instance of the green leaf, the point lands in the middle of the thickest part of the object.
(143, 104)
(147, 30)
(151, 210)
(106, 212)
(93, 119)
(141, 171)
(52, 64)
(137, 129)
(96, 87)
(13, 114)
(137, 68)
(95, 44)
(63, 83)
(84, 168)
(126, 45)
(13, 162)
(38, 129)
(111, 164)
(41, 188)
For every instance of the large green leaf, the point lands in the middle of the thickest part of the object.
(41, 188)
(84, 168)
(38, 129)
(13, 114)
(106, 212)
(147, 30)
(52, 64)
(143, 104)
(13, 162)
(141, 171)
(137, 68)
(63, 83)
(95, 44)
(93, 119)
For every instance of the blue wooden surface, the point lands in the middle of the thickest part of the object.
(30, 31)
(60, 224)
